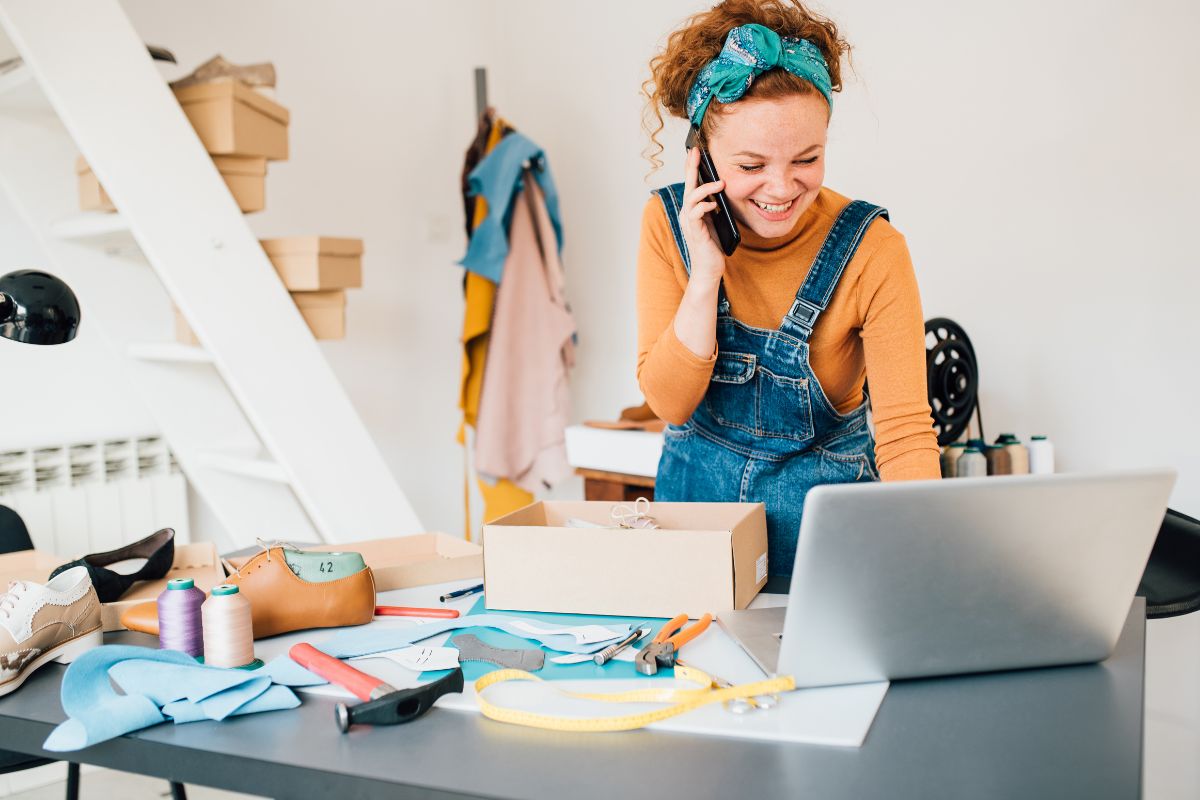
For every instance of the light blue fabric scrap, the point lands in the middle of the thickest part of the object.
(275, 698)
(165, 683)
(498, 178)
(152, 678)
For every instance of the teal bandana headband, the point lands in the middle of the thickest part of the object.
(749, 51)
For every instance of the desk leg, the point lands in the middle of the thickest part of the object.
(72, 780)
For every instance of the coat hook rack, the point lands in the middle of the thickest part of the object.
(481, 93)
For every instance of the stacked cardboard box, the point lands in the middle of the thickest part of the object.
(316, 270)
(240, 128)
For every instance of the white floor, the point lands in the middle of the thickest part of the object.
(1172, 748)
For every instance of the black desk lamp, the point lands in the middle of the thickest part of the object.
(37, 308)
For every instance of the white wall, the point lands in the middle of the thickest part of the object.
(1038, 159)
(63, 394)
(382, 108)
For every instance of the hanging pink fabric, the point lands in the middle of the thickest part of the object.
(524, 404)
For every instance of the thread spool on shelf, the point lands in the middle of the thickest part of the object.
(950, 456)
(1018, 453)
(179, 617)
(228, 629)
(999, 462)
(971, 464)
(1041, 456)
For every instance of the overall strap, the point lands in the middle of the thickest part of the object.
(672, 200)
(836, 252)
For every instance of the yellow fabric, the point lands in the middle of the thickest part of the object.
(480, 293)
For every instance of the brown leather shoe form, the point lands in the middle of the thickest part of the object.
(142, 618)
(280, 602)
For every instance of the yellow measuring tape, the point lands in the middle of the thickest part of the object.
(682, 700)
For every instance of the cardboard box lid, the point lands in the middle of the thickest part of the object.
(324, 245)
(81, 166)
(27, 565)
(324, 298)
(255, 166)
(240, 92)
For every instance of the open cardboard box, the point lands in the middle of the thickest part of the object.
(34, 566)
(198, 561)
(704, 558)
(403, 561)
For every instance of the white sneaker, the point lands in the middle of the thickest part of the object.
(38, 624)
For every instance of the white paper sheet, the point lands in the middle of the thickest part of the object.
(418, 658)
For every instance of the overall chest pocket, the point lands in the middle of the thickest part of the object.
(744, 395)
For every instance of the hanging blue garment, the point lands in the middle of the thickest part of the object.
(158, 684)
(498, 178)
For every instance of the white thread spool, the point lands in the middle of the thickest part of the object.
(1041, 456)
(971, 464)
(228, 629)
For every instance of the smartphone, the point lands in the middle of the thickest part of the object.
(726, 226)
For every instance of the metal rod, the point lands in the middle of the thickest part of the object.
(481, 94)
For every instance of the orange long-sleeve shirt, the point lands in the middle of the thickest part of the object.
(873, 328)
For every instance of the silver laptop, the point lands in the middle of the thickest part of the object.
(912, 579)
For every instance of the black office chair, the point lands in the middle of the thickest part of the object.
(14, 536)
(1171, 582)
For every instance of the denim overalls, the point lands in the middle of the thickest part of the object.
(765, 431)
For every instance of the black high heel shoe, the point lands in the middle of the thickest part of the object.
(158, 549)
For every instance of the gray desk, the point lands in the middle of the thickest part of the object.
(1068, 732)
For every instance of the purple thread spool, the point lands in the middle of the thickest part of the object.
(179, 624)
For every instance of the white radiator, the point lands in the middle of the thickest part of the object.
(89, 497)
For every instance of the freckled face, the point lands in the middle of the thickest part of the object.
(771, 155)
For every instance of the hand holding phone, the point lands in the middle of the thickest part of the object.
(722, 217)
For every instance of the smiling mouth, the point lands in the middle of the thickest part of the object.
(774, 208)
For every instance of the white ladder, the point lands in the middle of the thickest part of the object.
(259, 423)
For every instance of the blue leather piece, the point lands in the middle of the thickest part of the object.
(155, 682)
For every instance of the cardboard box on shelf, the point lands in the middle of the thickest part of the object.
(183, 332)
(92, 196)
(704, 558)
(325, 312)
(233, 119)
(246, 178)
(198, 561)
(314, 263)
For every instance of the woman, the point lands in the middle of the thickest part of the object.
(759, 361)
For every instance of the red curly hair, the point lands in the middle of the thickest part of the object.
(699, 41)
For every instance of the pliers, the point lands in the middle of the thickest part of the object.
(662, 650)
